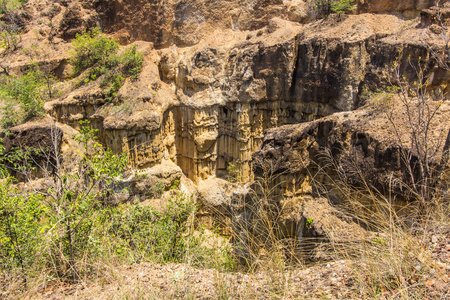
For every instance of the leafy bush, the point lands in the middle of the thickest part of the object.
(64, 216)
(9, 36)
(149, 233)
(94, 51)
(10, 27)
(20, 227)
(132, 62)
(342, 6)
(27, 92)
(18, 161)
(142, 233)
(8, 5)
(326, 7)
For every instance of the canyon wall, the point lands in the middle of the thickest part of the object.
(207, 106)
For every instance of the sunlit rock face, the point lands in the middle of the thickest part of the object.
(217, 75)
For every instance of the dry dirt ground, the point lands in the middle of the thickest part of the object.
(335, 280)
(171, 281)
(343, 279)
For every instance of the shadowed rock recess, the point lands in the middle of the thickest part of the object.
(224, 82)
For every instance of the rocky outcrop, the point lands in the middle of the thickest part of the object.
(214, 196)
(211, 86)
(216, 76)
(305, 175)
(147, 184)
(34, 147)
(224, 79)
(186, 23)
(354, 148)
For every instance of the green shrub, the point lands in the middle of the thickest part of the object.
(97, 53)
(111, 84)
(27, 92)
(93, 49)
(132, 62)
(74, 200)
(142, 233)
(342, 6)
(326, 7)
(233, 173)
(151, 234)
(10, 36)
(8, 5)
(10, 29)
(20, 227)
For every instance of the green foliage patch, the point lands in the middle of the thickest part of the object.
(342, 6)
(92, 49)
(10, 36)
(10, 30)
(98, 54)
(20, 227)
(23, 96)
(8, 5)
(326, 7)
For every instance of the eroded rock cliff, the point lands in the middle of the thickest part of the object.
(208, 105)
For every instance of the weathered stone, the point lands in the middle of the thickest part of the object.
(147, 183)
(75, 20)
(358, 147)
(214, 197)
(186, 23)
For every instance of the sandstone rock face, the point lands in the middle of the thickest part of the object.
(76, 18)
(186, 23)
(208, 105)
(41, 141)
(303, 173)
(351, 147)
(217, 75)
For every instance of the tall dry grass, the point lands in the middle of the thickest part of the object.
(399, 258)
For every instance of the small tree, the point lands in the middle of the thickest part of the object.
(71, 196)
(326, 7)
(25, 91)
(20, 226)
(10, 36)
(74, 194)
(424, 154)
